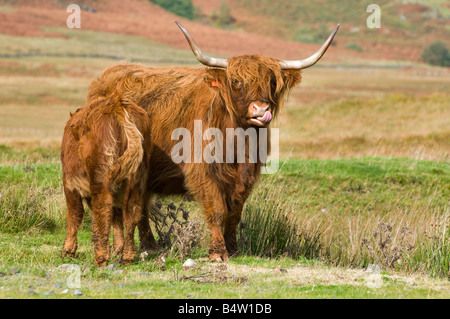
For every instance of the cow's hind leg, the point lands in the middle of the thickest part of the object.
(146, 238)
(75, 213)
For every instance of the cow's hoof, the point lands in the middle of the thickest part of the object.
(219, 257)
(67, 253)
(126, 262)
(151, 248)
(101, 262)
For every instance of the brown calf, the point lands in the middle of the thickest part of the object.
(105, 157)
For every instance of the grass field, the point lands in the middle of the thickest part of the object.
(365, 179)
(330, 207)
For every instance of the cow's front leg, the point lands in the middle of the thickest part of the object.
(217, 248)
(214, 208)
(206, 191)
(231, 223)
(246, 173)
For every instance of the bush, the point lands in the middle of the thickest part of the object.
(436, 54)
(223, 17)
(183, 8)
(312, 34)
(354, 46)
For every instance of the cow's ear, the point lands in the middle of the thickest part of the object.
(291, 78)
(215, 77)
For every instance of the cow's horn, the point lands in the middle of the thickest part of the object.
(306, 63)
(201, 57)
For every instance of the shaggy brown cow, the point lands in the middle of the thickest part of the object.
(105, 158)
(240, 92)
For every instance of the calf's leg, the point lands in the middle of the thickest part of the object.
(117, 222)
(102, 215)
(75, 212)
(132, 212)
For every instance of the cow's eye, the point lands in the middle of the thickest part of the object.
(236, 83)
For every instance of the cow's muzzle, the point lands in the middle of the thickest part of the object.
(259, 113)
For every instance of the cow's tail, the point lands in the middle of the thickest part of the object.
(128, 163)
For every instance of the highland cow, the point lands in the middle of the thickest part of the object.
(239, 92)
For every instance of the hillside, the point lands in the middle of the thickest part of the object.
(144, 19)
(406, 26)
(280, 29)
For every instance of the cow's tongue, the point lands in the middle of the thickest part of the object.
(267, 117)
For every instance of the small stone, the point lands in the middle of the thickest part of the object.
(48, 293)
(14, 271)
(68, 267)
(121, 285)
(65, 291)
(373, 268)
(64, 266)
(57, 285)
(279, 269)
(189, 263)
(111, 267)
(77, 292)
(145, 273)
(31, 292)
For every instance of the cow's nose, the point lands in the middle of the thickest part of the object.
(260, 108)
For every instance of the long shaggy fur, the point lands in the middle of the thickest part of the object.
(174, 98)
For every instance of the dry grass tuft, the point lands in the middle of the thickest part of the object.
(384, 253)
(176, 231)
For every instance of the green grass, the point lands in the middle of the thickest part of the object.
(312, 215)
(331, 209)
(39, 154)
(36, 258)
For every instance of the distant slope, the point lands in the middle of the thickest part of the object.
(266, 27)
(406, 26)
(142, 18)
